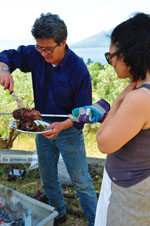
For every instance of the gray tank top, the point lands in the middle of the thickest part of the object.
(131, 163)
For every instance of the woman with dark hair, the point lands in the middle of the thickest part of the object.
(125, 133)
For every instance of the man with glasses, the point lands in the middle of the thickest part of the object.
(61, 82)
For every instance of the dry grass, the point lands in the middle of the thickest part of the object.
(24, 142)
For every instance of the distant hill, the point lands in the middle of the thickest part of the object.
(101, 39)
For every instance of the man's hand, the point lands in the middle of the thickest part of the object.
(57, 127)
(91, 114)
(6, 80)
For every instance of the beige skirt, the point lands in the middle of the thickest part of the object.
(118, 206)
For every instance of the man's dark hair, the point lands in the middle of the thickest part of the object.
(49, 26)
(132, 39)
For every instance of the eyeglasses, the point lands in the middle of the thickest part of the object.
(109, 56)
(46, 49)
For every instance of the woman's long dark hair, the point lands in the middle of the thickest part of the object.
(132, 39)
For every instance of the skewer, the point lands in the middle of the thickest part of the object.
(42, 115)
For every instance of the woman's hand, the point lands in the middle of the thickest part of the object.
(125, 92)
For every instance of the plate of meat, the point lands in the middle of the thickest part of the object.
(32, 127)
(28, 121)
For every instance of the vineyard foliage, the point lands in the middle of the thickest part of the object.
(105, 84)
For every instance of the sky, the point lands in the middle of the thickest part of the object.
(84, 18)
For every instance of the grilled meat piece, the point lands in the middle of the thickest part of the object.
(25, 119)
(26, 114)
(29, 126)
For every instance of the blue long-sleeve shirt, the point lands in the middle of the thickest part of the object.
(57, 90)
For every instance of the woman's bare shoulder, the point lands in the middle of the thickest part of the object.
(138, 97)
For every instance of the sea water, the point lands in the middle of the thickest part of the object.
(95, 54)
